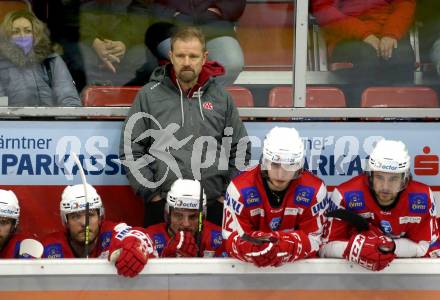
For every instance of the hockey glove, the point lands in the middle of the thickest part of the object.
(131, 258)
(182, 244)
(370, 250)
(292, 246)
(261, 255)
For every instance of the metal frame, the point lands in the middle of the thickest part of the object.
(77, 113)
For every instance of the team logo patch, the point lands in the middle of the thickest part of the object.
(53, 251)
(386, 226)
(105, 239)
(355, 200)
(216, 239)
(208, 105)
(303, 195)
(251, 196)
(418, 203)
(275, 223)
(159, 242)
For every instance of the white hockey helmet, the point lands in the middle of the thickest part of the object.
(184, 193)
(390, 157)
(73, 200)
(284, 146)
(9, 207)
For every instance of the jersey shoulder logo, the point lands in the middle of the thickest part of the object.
(53, 251)
(418, 203)
(216, 239)
(251, 196)
(303, 195)
(159, 242)
(355, 200)
(105, 237)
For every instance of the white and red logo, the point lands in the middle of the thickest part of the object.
(208, 105)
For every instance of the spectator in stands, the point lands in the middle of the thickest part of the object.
(31, 74)
(128, 247)
(373, 36)
(112, 43)
(11, 242)
(400, 211)
(183, 105)
(428, 19)
(216, 18)
(179, 235)
(274, 213)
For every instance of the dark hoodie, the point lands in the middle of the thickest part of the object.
(40, 78)
(205, 111)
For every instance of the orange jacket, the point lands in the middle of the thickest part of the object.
(357, 19)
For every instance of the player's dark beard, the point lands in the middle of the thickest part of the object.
(187, 75)
(78, 246)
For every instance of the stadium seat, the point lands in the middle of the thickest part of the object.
(318, 96)
(110, 95)
(414, 96)
(8, 6)
(242, 97)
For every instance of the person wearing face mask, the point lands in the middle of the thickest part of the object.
(31, 74)
(401, 212)
(274, 213)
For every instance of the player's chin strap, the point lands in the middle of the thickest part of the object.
(87, 206)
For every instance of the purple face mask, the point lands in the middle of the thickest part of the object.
(24, 42)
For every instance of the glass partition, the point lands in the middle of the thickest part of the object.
(373, 54)
(100, 53)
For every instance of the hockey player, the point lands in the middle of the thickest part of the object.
(177, 236)
(274, 213)
(129, 247)
(400, 211)
(11, 242)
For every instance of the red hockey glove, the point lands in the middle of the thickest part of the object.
(261, 255)
(182, 244)
(370, 250)
(292, 246)
(133, 256)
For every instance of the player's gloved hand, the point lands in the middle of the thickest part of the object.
(292, 245)
(371, 250)
(131, 258)
(183, 244)
(260, 254)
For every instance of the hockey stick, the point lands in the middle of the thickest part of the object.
(200, 221)
(87, 207)
(351, 218)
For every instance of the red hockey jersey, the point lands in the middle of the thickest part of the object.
(212, 242)
(12, 247)
(410, 222)
(302, 208)
(56, 245)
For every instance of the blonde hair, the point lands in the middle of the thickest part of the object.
(39, 29)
